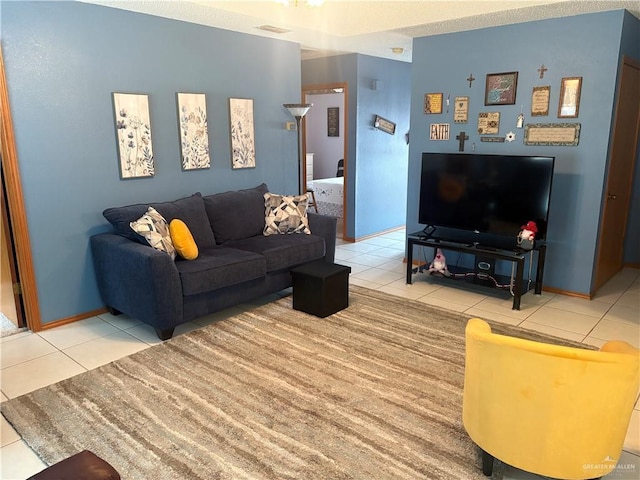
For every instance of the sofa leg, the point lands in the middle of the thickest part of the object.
(164, 333)
(487, 463)
(113, 311)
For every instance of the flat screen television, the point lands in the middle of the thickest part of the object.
(485, 199)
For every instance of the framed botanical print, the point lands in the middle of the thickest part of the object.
(133, 133)
(194, 136)
(243, 150)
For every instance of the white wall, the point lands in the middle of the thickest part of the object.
(327, 150)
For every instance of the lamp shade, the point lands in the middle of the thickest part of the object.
(297, 109)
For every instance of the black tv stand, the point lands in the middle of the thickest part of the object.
(515, 283)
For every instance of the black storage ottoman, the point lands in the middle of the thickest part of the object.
(320, 288)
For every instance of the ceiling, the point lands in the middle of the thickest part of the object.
(371, 27)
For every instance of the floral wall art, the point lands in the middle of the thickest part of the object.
(243, 153)
(194, 137)
(133, 131)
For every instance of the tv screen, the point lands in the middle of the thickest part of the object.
(485, 194)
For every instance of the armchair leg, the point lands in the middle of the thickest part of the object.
(164, 333)
(487, 463)
(113, 311)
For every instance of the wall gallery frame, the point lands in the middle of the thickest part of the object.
(552, 134)
(333, 121)
(461, 110)
(540, 101)
(439, 131)
(133, 134)
(500, 88)
(194, 135)
(488, 123)
(243, 151)
(433, 103)
(385, 125)
(569, 103)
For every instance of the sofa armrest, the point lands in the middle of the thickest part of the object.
(137, 280)
(325, 226)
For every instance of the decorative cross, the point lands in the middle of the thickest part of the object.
(542, 69)
(462, 137)
(470, 79)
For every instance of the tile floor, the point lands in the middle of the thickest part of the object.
(30, 361)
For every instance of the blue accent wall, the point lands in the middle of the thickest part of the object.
(586, 46)
(376, 161)
(63, 61)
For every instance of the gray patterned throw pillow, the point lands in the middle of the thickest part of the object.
(286, 214)
(154, 228)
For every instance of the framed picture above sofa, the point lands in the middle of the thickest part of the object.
(194, 135)
(133, 134)
(241, 128)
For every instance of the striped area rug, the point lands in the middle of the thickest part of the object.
(372, 392)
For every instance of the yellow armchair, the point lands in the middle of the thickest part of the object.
(553, 410)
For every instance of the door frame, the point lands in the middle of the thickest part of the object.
(319, 89)
(600, 278)
(17, 211)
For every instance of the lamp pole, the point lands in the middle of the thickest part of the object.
(298, 111)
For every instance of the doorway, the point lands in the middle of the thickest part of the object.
(618, 189)
(15, 217)
(325, 141)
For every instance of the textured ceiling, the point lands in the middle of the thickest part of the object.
(372, 27)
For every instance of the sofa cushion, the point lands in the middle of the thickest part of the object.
(183, 240)
(219, 267)
(189, 209)
(285, 214)
(153, 227)
(236, 215)
(283, 251)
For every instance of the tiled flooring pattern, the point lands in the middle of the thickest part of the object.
(31, 361)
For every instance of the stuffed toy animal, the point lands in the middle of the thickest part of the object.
(527, 235)
(439, 264)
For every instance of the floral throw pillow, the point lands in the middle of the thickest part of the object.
(155, 230)
(286, 214)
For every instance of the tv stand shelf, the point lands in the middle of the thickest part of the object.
(515, 283)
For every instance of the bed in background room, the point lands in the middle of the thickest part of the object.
(329, 194)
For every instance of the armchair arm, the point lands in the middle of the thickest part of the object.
(137, 280)
(618, 346)
(326, 227)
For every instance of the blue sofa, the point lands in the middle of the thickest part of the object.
(236, 262)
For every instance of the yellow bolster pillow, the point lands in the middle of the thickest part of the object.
(183, 240)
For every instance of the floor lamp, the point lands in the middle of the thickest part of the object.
(298, 110)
